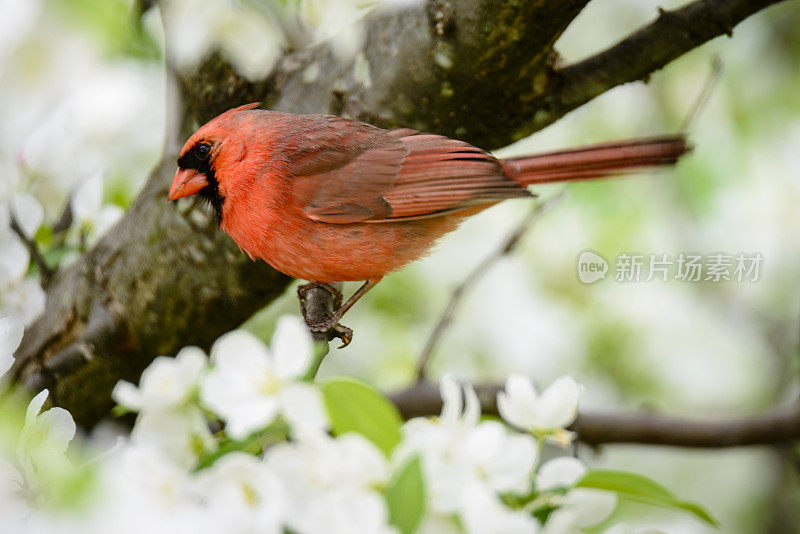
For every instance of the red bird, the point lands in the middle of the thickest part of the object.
(329, 199)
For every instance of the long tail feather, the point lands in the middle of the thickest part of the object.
(596, 161)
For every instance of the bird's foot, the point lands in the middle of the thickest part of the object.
(324, 328)
(332, 329)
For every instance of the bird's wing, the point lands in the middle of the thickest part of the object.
(371, 175)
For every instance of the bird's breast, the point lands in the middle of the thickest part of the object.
(302, 248)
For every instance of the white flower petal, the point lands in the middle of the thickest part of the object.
(228, 390)
(28, 213)
(192, 361)
(589, 506)
(303, 408)
(510, 470)
(58, 429)
(250, 417)
(484, 514)
(14, 258)
(181, 435)
(107, 218)
(45, 435)
(127, 395)
(25, 300)
(253, 46)
(472, 410)
(450, 391)
(559, 403)
(87, 199)
(35, 406)
(10, 336)
(240, 348)
(292, 347)
(560, 472)
(517, 404)
(521, 389)
(6, 361)
(242, 494)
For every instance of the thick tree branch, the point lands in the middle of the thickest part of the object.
(777, 426)
(479, 70)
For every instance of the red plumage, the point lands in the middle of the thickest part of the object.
(329, 199)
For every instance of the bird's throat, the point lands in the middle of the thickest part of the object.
(210, 194)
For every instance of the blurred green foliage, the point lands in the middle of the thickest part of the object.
(114, 24)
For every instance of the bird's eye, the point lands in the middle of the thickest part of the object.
(202, 151)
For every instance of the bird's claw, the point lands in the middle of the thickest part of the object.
(332, 330)
(328, 328)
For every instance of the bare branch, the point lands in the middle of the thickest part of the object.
(777, 426)
(507, 246)
(648, 50)
(45, 272)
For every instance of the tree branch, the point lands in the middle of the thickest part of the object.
(777, 426)
(651, 48)
(478, 70)
(45, 272)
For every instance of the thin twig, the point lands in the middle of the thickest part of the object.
(45, 272)
(705, 94)
(482, 268)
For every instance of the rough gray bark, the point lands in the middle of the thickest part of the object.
(479, 70)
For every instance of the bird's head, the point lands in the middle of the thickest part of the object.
(201, 156)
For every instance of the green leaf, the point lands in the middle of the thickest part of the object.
(353, 406)
(405, 496)
(254, 444)
(641, 489)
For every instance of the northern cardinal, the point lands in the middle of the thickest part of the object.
(329, 199)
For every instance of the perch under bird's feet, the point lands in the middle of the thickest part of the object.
(303, 290)
(324, 319)
(319, 318)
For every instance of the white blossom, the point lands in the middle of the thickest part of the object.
(20, 297)
(10, 337)
(182, 435)
(242, 495)
(249, 386)
(25, 300)
(457, 452)
(559, 473)
(246, 35)
(484, 514)
(13, 507)
(578, 507)
(45, 436)
(89, 213)
(111, 113)
(546, 414)
(18, 18)
(143, 490)
(14, 256)
(28, 212)
(166, 383)
(332, 484)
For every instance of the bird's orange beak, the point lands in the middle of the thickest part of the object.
(187, 182)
